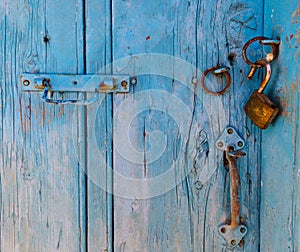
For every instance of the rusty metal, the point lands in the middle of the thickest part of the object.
(235, 231)
(124, 84)
(231, 143)
(82, 84)
(259, 108)
(264, 41)
(266, 64)
(234, 187)
(216, 70)
(78, 83)
(26, 83)
(47, 90)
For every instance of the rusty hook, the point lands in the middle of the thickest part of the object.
(263, 41)
(216, 70)
(261, 63)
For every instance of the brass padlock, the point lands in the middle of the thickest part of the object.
(259, 108)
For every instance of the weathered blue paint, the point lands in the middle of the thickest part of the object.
(280, 201)
(42, 192)
(205, 34)
(99, 128)
(47, 201)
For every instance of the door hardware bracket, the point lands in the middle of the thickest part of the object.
(231, 143)
(49, 83)
(230, 138)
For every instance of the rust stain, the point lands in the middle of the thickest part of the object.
(104, 87)
(43, 116)
(284, 107)
(294, 87)
(296, 14)
(61, 111)
(293, 42)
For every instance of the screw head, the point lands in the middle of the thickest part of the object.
(198, 185)
(233, 242)
(243, 230)
(240, 144)
(124, 84)
(26, 82)
(223, 230)
(220, 144)
(230, 131)
(194, 80)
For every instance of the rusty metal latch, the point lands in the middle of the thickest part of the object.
(49, 83)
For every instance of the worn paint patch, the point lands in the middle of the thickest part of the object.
(284, 107)
(294, 87)
(296, 14)
(241, 17)
(293, 41)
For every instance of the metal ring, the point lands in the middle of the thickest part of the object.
(221, 70)
(274, 45)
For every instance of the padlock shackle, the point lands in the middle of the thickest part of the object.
(266, 64)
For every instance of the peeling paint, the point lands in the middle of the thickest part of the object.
(296, 14)
(293, 41)
(284, 107)
(294, 87)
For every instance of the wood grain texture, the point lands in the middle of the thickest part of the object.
(99, 129)
(56, 182)
(41, 187)
(205, 34)
(280, 204)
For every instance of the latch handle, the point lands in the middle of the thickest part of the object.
(47, 90)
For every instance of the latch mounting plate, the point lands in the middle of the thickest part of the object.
(77, 83)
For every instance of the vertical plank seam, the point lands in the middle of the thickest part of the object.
(2, 119)
(84, 35)
(85, 133)
(112, 137)
(259, 167)
(46, 32)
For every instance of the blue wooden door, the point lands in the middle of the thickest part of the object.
(42, 185)
(141, 171)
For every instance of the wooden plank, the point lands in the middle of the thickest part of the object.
(187, 216)
(99, 125)
(280, 203)
(41, 182)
